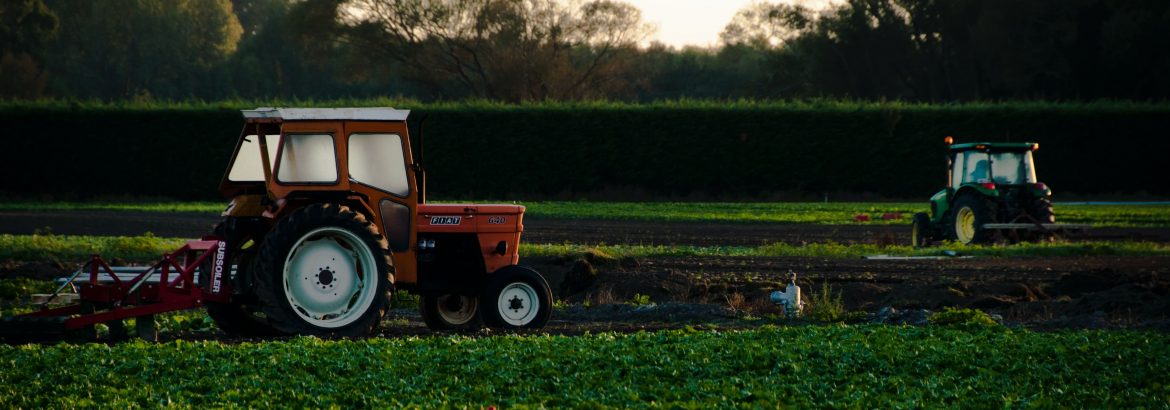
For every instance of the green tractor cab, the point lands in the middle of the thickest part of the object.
(992, 194)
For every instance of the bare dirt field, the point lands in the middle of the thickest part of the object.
(1049, 292)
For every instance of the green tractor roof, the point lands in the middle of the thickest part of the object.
(995, 146)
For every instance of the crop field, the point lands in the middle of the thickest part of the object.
(657, 305)
(806, 366)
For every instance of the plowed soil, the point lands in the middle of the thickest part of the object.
(1049, 292)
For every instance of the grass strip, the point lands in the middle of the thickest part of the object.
(825, 213)
(807, 366)
(147, 248)
(832, 213)
(837, 250)
(79, 247)
(153, 206)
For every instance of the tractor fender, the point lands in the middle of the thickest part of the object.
(939, 206)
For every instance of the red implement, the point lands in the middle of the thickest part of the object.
(186, 278)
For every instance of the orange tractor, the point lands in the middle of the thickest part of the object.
(327, 218)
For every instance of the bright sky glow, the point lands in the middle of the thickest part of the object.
(697, 22)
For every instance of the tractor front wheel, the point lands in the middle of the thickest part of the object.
(325, 270)
(971, 213)
(921, 233)
(451, 312)
(516, 297)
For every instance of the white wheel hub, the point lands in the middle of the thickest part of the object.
(457, 309)
(330, 277)
(518, 304)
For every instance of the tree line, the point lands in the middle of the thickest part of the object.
(539, 50)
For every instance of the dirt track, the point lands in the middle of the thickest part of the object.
(1074, 291)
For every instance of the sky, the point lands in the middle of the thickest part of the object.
(696, 22)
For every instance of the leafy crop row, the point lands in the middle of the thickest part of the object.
(810, 366)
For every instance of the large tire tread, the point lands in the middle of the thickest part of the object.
(235, 318)
(278, 244)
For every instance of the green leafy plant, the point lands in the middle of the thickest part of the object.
(961, 317)
(824, 306)
(13, 289)
(640, 300)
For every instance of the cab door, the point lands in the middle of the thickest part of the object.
(380, 168)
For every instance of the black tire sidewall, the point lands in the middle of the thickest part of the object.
(502, 278)
(920, 226)
(274, 252)
(429, 309)
(234, 318)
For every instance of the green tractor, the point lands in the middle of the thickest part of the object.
(992, 194)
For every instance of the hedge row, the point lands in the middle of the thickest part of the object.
(698, 149)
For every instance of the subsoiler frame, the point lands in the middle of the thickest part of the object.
(137, 297)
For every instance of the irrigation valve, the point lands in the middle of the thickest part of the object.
(789, 298)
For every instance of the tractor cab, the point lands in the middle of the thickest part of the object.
(1002, 172)
(991, 164)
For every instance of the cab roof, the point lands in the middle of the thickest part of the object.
(995, 146)
(265, 114)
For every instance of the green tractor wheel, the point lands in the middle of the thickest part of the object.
(971, 213)
(921, 233)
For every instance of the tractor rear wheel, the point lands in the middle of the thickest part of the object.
(236, 318)
(971, 213)
(1043, 212)
(921, 233)
(516, 297)
(325, 270)
(451, 312)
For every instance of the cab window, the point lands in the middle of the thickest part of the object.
(377, 160)
(307, 158)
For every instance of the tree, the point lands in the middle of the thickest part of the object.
(117, 49)
(25, 27)
(509, 50)
(930, 50)
(767, 25)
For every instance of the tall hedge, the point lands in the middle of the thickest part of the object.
(666, 150)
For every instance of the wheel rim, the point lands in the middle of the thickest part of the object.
(518, 304)
(965, 225)
(330, 277)
(915, 235)
(456, 309)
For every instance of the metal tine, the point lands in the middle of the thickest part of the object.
(143, 277)
(67, 283)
